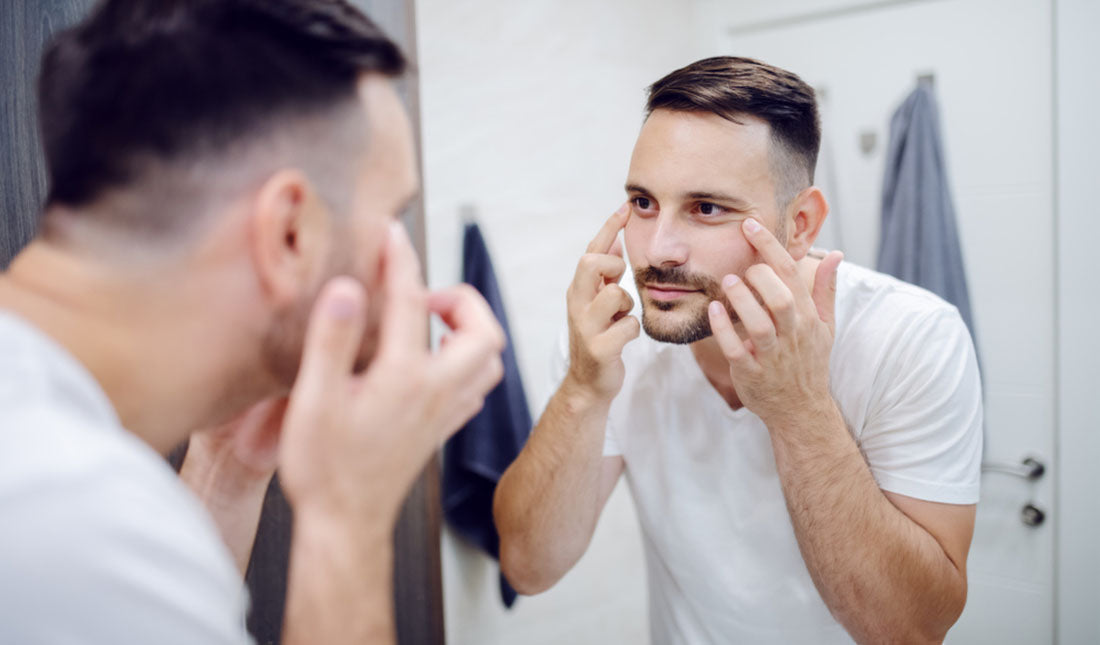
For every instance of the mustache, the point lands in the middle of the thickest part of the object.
(674, 276)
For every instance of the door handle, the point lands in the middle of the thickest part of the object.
(1032, 515)
(1030, 468)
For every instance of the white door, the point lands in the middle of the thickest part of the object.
(991, 62)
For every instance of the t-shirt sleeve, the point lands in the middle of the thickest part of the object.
(103, 557)
(923, 434)
(559, 365)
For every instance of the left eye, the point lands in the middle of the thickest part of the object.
(706, 208)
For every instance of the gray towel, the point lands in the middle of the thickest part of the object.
(920, 241)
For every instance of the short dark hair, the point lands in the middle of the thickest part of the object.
(146, 83)
(732, 87)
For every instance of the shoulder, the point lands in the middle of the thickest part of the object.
(104, 540)
(905, 374)
(865, 296)
(882, 322)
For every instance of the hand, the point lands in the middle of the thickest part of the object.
(229, 468)
(598, 325)
(354, 443)
(782, 366)
(248, 444)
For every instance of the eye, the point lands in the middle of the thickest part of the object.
(644, 206)
(708, 209)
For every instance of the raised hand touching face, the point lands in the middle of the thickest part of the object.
(354, 443)
(599, 326)
(779, 363)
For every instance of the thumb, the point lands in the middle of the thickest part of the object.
(333, 337)
(824, 292)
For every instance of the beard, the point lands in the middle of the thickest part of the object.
(284, 341)
(694, 322)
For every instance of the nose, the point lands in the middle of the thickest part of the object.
(667, 246)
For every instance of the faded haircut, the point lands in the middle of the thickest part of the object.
(732, 88)
(149, 108)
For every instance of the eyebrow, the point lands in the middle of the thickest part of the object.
(737, 203)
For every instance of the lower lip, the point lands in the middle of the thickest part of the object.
(667, 294)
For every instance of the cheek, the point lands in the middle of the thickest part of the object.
(634, 239)
(733, 255)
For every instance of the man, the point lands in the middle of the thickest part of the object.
(221, 229)
(801, 437)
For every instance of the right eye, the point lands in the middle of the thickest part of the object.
(644, 206)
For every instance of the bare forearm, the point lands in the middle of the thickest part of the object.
(547, 503)
(340, 584)
(883, 576)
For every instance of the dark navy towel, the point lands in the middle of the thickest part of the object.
(476, 457)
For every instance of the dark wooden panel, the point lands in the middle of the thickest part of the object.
(25, 27)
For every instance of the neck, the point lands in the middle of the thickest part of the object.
(716, 368)
(135, 329)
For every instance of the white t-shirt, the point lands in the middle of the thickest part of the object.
(722, 559)
(100, 543)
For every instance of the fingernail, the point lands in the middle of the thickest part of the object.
(343, 299)
(343, 307)
(751, 225)
(397, 229)
(623, 209)
(715, 308)
(729, 281)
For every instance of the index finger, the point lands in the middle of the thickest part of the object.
(610, 231)
(462, 308)
(774, 254)
(476, 334)
(404, 319)
(333, 336)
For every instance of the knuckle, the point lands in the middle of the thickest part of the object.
(783, 304)
(609, 294)
(465, 291)
(759, 330)
(633, 327)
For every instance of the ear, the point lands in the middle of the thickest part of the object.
(285, 225)
(806, 214)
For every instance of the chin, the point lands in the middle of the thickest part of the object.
(667, 325)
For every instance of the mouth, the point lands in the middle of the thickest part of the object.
(666, 292)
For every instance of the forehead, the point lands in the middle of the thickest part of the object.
(391, 157)
(701, 151)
